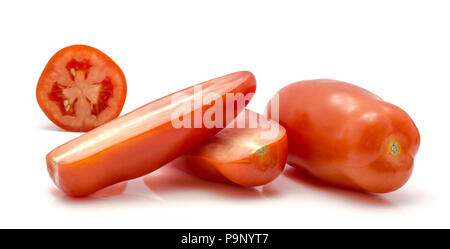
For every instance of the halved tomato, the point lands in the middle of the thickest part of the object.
(247, 152)
(149, 137)
(81, 88)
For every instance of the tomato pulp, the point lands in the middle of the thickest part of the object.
(247, 152)
(145, 139)
(346, 136)
(81, 88)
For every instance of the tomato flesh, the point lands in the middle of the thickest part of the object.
(81, 88)
(245, 155)
(346, 136)
(143, 140)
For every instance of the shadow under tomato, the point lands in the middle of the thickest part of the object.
(113, 190)
(171, 179)
(347, 194)
(48, 126)
(128, 193)
(160, 184)
(108, 192)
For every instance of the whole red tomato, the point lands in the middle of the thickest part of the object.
(344, 135)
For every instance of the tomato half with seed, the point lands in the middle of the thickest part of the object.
(347, 136)
(81, 88)
(247, 152)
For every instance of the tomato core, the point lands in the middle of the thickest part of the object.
(79, 91)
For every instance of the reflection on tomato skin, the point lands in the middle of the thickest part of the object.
(344, 135)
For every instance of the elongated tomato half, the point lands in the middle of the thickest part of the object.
(344, 135)
(81, 88)
(149, 137)
(251, 151)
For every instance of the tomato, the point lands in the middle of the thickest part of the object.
(145, 139)
(344, 135)
(81, 88)
(248, 155)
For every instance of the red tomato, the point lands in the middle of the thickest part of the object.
(145, 139)
(81, 88)
(346, 136)
(248, 155)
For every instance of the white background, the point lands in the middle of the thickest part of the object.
(399, 50)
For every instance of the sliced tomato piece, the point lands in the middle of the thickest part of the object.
(145, 139)
(81, 88)
(248, 155)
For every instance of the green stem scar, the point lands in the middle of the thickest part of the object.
(394, 148)
(261, 151)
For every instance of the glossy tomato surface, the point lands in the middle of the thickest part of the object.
(246, 152)
(81, 88)
(344, 135)
(145, 139)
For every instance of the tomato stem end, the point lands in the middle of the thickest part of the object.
(394, 148)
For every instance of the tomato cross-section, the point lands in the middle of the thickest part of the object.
(81, 88)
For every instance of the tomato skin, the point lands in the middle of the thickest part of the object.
(239, 155)
(92, 63)
(346, 136)
(138, 142)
